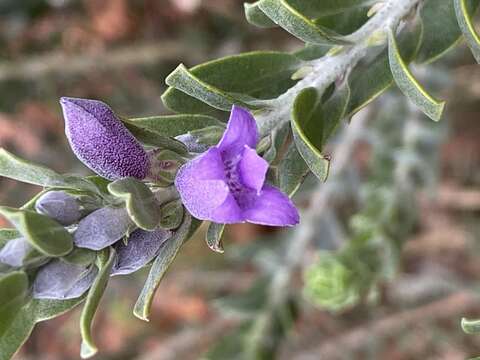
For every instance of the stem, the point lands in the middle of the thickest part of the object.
(331, 67)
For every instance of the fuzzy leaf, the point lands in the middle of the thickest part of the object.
(289, 18)
(139, 200)
(316, 9)
(441, 31)
(13, 289)
(214, 237)
(165, 257)
(43, 233)
(408, 84)
(261, 74)
(171, 215)
(155, 139)
(18, 169)
(292, 171)
(468, 27)
(105, 261)
(174, 125)
(183, 80)
(256, 16)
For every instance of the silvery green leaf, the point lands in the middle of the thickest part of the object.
(102, 228)
(467, 26)
(165, 257)
(171, 215)
(61, 280)
(292, 171)
(80, 256)
(142, 246)
(155, 139)
(407, 83)
(256, 16)
(44, 234)
(59, 206)
(214, 237)
(13, 167)
(105, 260)
(13, 292)
(14, 252)
(174, 125)
(141, 205)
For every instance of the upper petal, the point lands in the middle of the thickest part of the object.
(241, 130)
(272, 207)
(100, 140)
(252, 169)
(201, 184)
(141, 248)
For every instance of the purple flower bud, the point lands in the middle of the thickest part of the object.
(100, 140)
(14, 252)
(62, 280)
(141, 248)
(59, 206)
(102, 228)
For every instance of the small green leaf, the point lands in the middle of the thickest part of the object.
(43, 233)
(346, 22)
(174, 125)
(468, 28)
(183, 80)
(292, 171)
(105, 260)
(214, 237)
(409, 85)
(80, 256)
(141, 205)
(257, 17)
(261, 74)
(155, 139)
(289, 18)
(8, 234)
(441, 31)
(36, 310)
(171, 215)
(165, 257)
(368, 81)
(471, 326)
(278, 139)
(18, 169)
(312, 51)
(313, 122)
(13, 289)
(316, 9)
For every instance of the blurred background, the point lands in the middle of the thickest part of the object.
(410, 304)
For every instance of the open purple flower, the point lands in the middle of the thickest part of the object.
(226, 184)
(101, 141)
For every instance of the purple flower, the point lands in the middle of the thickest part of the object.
(59, 206)
(100, 140)
(226, 184)
(142, 246)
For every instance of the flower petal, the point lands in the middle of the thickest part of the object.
(201, 184)
(241, 130)
(61, 280)
(14, 252)
(272, 207)
(227, 213)
(59, 206)
(100, 140)
(141, 248)
(102, 228)
(252, 169)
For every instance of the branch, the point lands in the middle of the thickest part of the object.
(332, 67)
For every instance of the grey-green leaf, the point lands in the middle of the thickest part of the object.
(214, 237)
(407, 83)
(105, 260)
(256, 16)
(174, 125)
(43, 233)
(165, 257)
(185, 81)
(171, 215)
(141, 205)
(296, 23)
(261, 74)
(292, 171)
(13, 167)
(468, 27)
